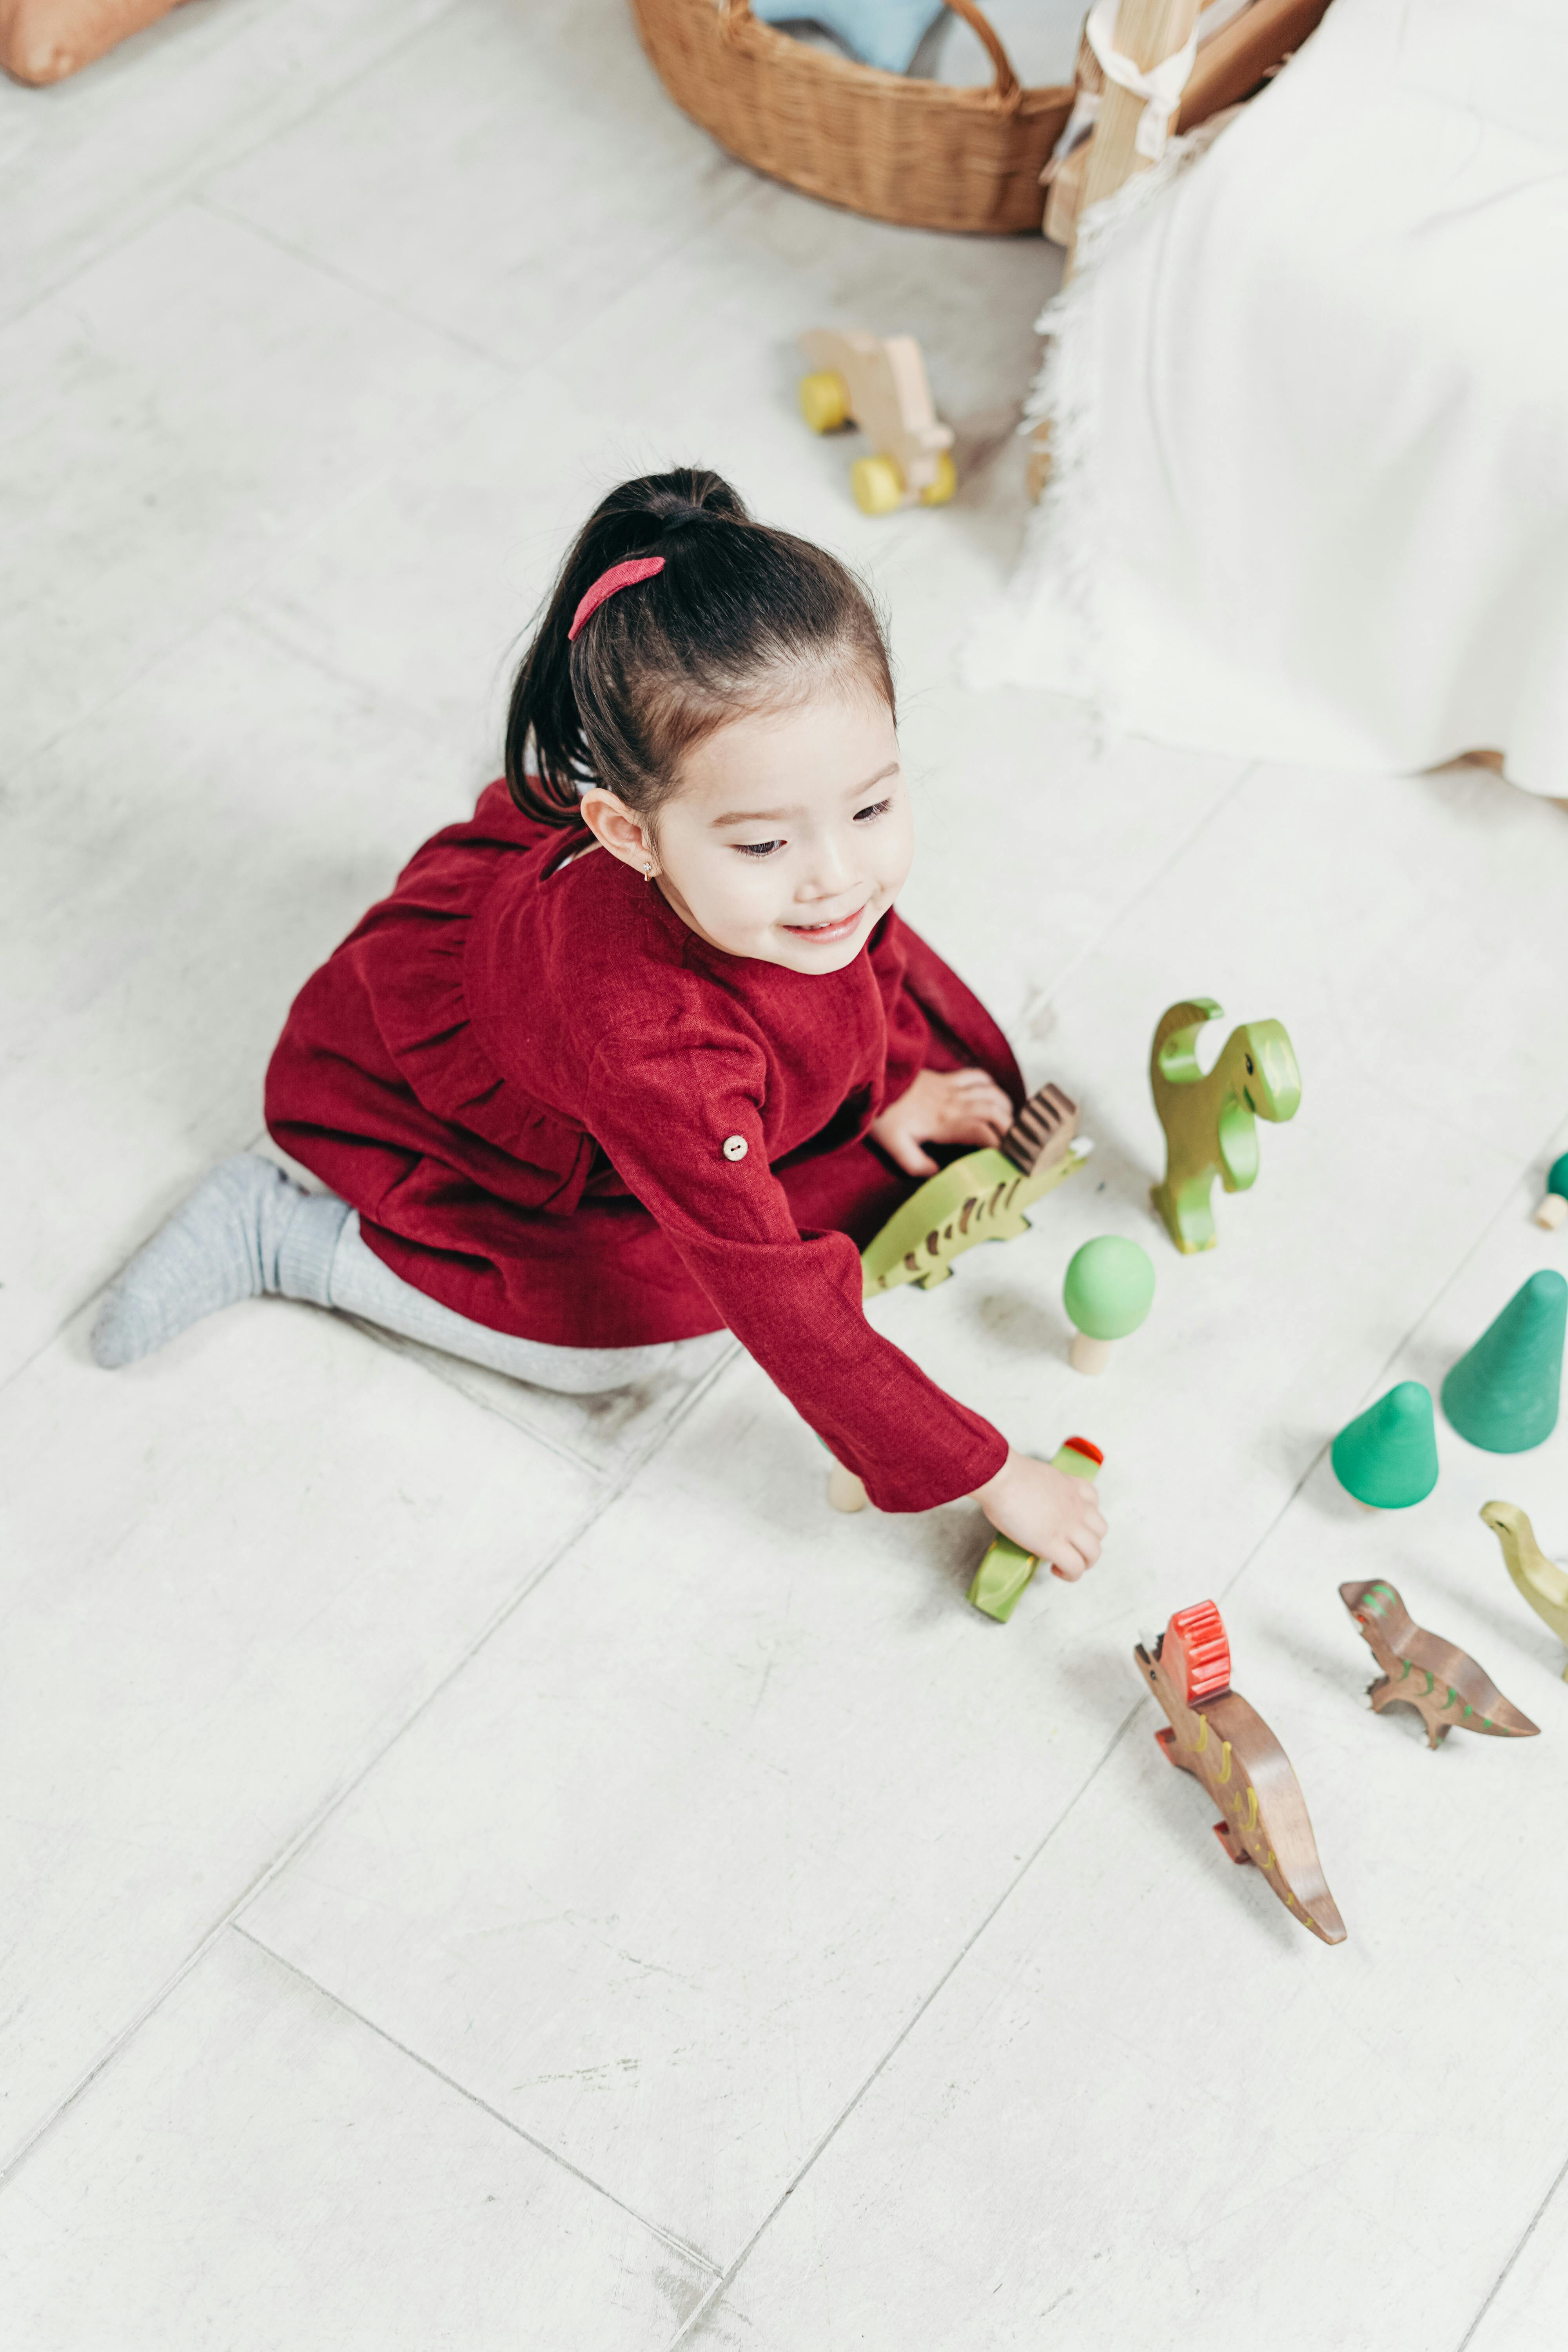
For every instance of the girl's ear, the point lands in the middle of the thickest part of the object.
(614, 828)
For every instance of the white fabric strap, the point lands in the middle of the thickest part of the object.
(1080, 123)
(1160, 89)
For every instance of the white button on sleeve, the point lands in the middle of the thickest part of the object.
(734, 1146)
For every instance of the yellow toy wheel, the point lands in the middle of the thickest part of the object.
(825, 400)
(877, 485)
(938, 493)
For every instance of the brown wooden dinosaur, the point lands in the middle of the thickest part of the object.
(1217, 1736)
(1443, 1683)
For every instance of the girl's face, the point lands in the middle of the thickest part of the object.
(789, 837)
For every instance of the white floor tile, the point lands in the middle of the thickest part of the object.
(1149, 2110)
(505, 174)
(230, 1574)
(196, 400)
(259, 2168)
(85, 164)
(174, 871)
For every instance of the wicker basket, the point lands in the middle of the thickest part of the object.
(913, 152)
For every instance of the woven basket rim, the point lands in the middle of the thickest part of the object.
(748, 32)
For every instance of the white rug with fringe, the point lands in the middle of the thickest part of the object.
(1308, 394)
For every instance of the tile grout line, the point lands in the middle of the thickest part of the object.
(666, 2237)
(1216, 809)
(242, 614)
(610, 1494)
(377, 295)
(515, 372)
(269, 1870)
(511, 380)
(909, 2026)
(182, 190)
(1497, 2284)
(981, 1926)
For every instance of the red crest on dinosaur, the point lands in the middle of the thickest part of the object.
(1196, 1653)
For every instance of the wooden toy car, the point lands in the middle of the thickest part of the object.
(879, 382)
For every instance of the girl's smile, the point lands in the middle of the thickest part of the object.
(828, 934)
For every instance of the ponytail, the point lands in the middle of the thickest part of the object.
(741, 617)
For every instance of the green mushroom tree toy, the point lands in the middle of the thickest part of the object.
(1554, 1207)
(1387, 1457)
(1503, 1394)
(1109, 1290)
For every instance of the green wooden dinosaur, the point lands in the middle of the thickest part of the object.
(997, 1585)
(1540, 1581)
(1211, 1123)
(979, 1198)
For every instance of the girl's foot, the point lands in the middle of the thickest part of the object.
(245, 1230)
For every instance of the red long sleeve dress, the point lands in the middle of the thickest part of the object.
(534, 1082)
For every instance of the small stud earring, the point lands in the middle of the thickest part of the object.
(647, 870)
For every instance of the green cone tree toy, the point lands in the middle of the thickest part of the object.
(1503, 1394)
(1387, 1457)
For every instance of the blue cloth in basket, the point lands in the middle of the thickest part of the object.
(885, 33)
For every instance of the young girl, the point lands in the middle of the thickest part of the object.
(643, 1049)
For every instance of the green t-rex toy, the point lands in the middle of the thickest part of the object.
(1211, 1124)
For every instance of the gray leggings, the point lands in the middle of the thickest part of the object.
(358, 1284)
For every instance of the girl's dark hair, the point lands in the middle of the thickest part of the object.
(741, 617)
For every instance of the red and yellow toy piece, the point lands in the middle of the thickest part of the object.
(1224, 1743)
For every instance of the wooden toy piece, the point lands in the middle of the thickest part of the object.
(1387, 1457)
(1211, 1123)
(1503, 1394)
(1217, 1736)
(1442, 1683)
(845, 1492)
(979, 1198)
(998, 1582)
(1555, 1206)
(1249, 45)
(1542, 1581)
(1109, 1290)
(879, 382)
(1146, 32)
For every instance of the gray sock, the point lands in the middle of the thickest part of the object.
(245, 1230)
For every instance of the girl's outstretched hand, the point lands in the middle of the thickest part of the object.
(1056, 1518)
(942, 1107)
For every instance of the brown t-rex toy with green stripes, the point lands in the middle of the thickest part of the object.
(1443, 1683)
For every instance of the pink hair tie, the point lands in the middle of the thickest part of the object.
(618, 576)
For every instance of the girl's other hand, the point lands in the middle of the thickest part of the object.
(1056, 1518)
(942, 1107)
